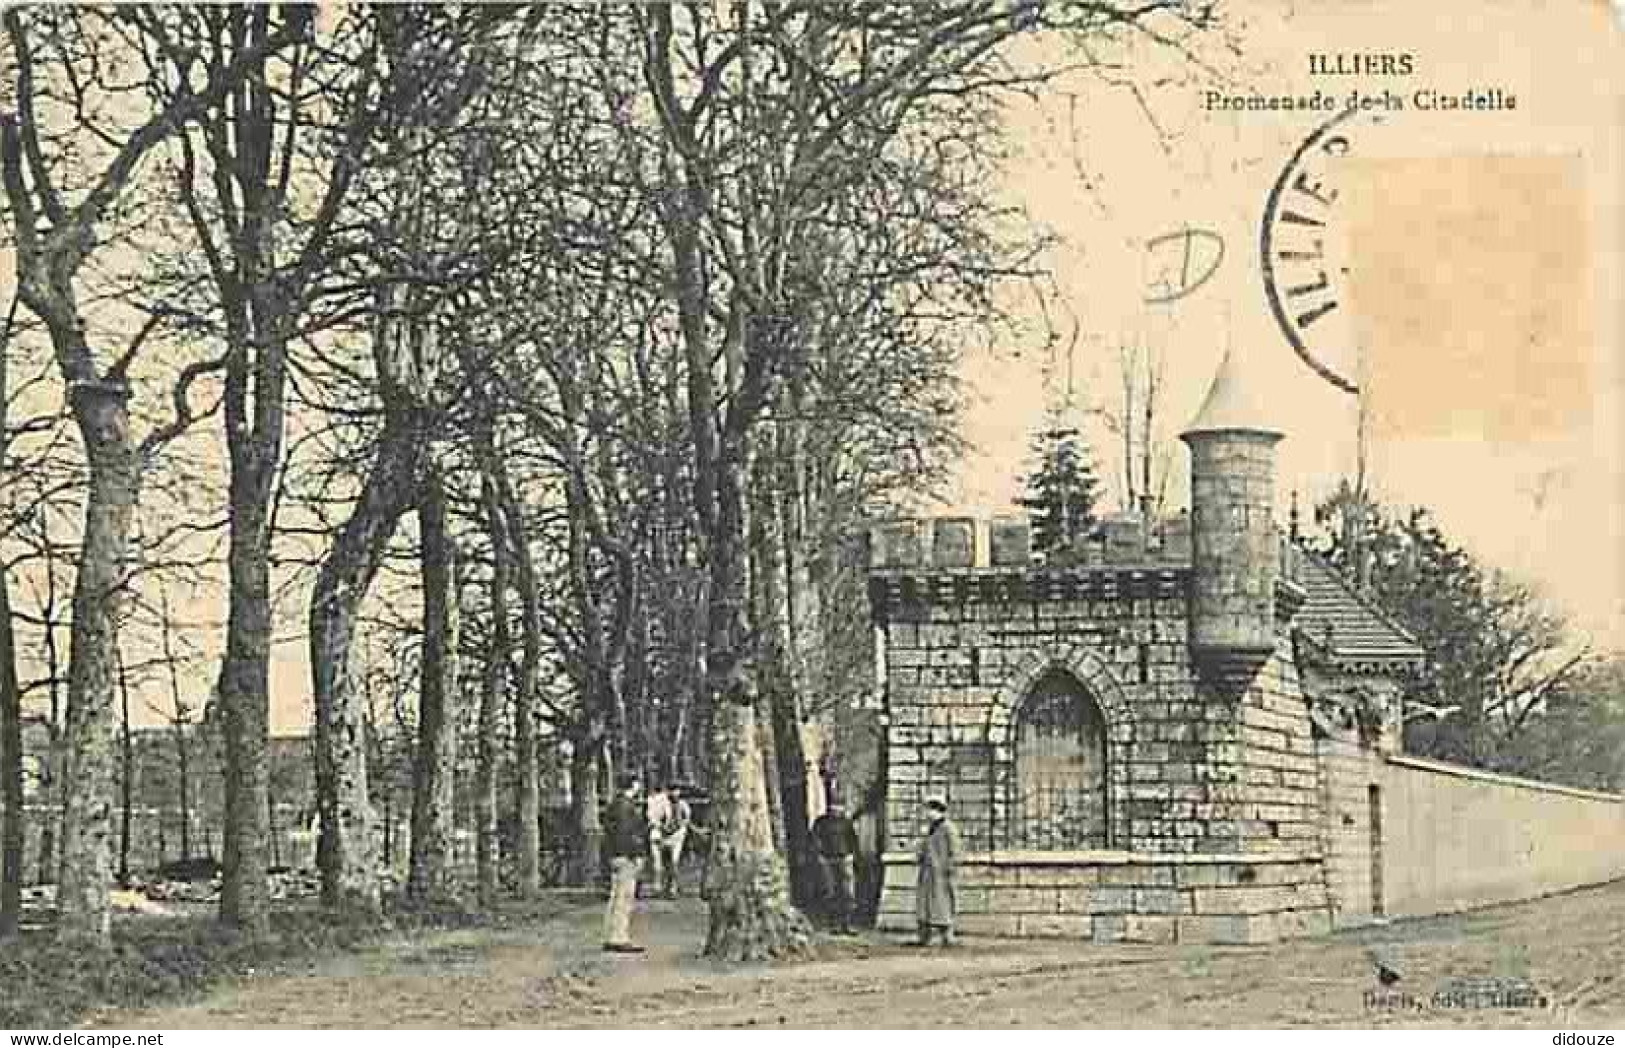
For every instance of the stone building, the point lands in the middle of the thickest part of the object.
(1182, 736)
(164, 828)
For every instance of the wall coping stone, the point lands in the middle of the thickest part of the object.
(1104, 857)
(1461, 771)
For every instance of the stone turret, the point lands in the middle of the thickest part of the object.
(1234, 547)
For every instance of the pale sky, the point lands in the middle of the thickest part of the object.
(1484, 251)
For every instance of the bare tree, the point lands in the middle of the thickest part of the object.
(765, 114)
(53, 240)
(515, 552)
(345, 849)
(126, 775)
(435, 768)
(11, 699)
(180, 721)
(245, 170)
(493, 690)
(433, 61)
(1145, 448)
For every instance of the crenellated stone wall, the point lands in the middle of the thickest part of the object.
(1211, 793)
(1246, 796)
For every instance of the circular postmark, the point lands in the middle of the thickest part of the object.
(1303, 280)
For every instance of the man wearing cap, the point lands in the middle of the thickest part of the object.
(837, 843)
(938, 856)
(626, 838)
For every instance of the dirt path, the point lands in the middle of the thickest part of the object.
(1571, 948)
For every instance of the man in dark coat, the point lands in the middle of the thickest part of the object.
(626, 838)
(938, 857)
(837, 843)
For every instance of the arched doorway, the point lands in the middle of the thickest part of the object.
(1059, 786)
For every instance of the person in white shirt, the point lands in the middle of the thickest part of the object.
(658, 813)
(672, 835)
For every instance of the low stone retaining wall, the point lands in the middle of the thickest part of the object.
(1104, 896)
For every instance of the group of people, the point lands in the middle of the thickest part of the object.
(936, 861)
(641, 831)
(652, 831)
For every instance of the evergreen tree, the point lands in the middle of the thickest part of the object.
(1060, 489)
(1497, 653)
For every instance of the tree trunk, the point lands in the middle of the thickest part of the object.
(486, 855)
(751, 914)
(528, 802)
(689, 729)
(11, 766)
(270, 822)
(345, 852)
(389, 830)
(808, 650)
(49, 787)
(11, 708)
(45, 859)
(634, 705)
(244, 688)
(528, 785)
(786, 753)
(790, 751)
(378, 758)
(126, 771)
(767, 746)
(182, 717)
(586, 824)
(85, 850)
(183, 771)
(432, 873)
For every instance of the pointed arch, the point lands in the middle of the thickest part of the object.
(1094, 677)
(1083, 664)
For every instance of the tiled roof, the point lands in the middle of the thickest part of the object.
(1344, 627)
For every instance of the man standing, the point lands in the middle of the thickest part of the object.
(938, 855)
(626, 836)
(673, 834)
(837, 843)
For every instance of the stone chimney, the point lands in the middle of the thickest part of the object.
(1234, 550)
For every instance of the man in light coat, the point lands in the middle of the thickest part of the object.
(938, 857)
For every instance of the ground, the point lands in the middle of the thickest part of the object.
(1570, 948)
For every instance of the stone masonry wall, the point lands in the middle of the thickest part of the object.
(1128, 898)
(1348, 772)
(1279, 792)
(1192, 766)
(1454, 838)
(1233, 541)
(1212, 796)
(958, 672)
